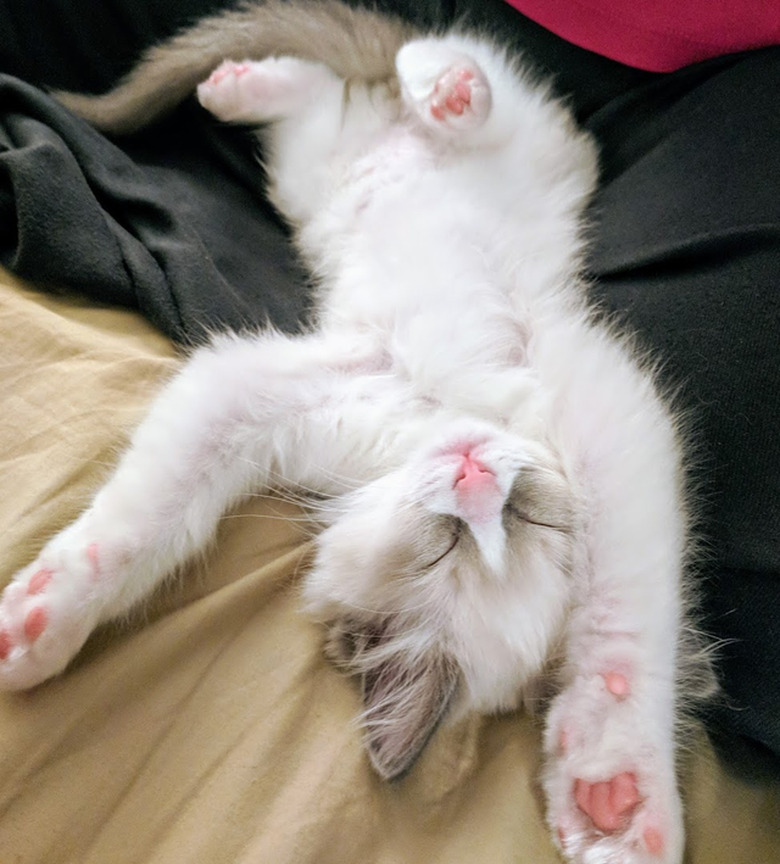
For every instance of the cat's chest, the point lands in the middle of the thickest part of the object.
(411, 253)
(387, 167)
(405, 236)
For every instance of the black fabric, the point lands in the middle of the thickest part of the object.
(85, 46)
(173, 222)
(686, 251)
(158, 227)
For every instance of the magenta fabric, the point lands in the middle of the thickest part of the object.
(659, 35)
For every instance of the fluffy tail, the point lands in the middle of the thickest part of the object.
(355, 43)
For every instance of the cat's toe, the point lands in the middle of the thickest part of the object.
(226, 70)
(609, 803)
(460, 97)
(597, 830)
(220, 93)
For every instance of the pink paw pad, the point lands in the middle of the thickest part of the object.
(618, 685)
(39, 581)
(452, 98)
(608, 803)
(35, 623)
(568, 738)
(5, 645)
(654, 841)
(94, 560)
(234, 69)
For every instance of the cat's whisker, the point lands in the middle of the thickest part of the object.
(281, 487)
(347, 482)
(278, 517)
(282, 494)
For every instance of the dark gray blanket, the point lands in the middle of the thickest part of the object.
(166, 224)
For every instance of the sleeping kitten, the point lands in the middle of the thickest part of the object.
(505, 485)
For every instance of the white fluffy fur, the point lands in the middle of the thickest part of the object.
(452, 321)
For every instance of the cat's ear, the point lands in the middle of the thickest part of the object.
(406, 689)
(405, 697)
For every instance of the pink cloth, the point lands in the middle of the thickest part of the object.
(659, 35)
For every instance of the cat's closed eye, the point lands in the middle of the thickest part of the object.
(512, 514)
(455, 527)
(541, 499)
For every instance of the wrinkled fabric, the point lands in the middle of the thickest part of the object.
(208, 728)
(155, 227)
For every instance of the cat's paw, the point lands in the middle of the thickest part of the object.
(460, 97)
(256, 91)
(46, 614)
(609, 779)
(445, 88)
(224, 94)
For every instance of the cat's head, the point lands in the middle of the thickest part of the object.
(445, 583)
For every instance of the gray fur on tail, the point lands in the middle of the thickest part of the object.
(356, 43)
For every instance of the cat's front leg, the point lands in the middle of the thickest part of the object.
(610, 742)
(241, 415)
(610, 764)
(159, 507)
(610, 773)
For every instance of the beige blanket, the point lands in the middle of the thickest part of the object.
(208, 728)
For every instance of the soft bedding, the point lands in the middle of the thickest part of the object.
(209, 728)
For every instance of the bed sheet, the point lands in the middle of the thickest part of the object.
(208, 727)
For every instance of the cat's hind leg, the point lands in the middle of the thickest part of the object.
(443, 85)
(300, 108)
(259, 91)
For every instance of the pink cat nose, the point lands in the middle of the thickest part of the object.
(472, 474)
(478, 497)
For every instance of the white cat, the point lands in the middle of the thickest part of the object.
(505, 491)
